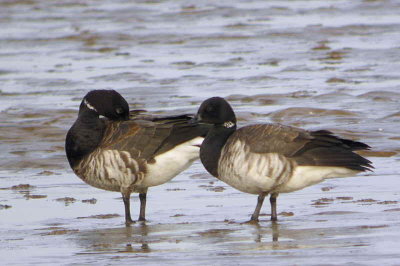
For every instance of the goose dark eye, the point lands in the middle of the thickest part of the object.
(119, 110)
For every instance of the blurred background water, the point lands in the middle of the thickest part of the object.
(314, 64)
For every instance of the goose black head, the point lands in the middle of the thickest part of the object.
(217, 111)
(108, 103)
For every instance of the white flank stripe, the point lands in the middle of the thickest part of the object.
(172, 162)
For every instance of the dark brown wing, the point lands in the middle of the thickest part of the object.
(273, 138)
(147, 138)
(314, 148)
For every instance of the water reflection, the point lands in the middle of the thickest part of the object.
(120, 240)
(275, 231)
(142, 230)
(148, 238)
(266, 231)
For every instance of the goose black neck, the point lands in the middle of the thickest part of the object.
(212, 145)
(84, 136)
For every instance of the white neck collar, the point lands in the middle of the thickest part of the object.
(228, 124)
(88, 105)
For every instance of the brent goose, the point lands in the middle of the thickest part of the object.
(270, 159)
(119, 153)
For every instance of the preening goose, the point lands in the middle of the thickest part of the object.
(123, 154)
(270, 159)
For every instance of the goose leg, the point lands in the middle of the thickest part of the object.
(272, 200)
(126, 198)
(142, 197)
(256, 213)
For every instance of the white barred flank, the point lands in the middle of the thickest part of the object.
(117, 171)
(110, 170)
(253, 172)
(169, 164)
(257, 173)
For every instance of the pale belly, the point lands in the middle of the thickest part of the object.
(249, 184)
(301, 177)
(251, 172)
(305, 176)
(109, 170)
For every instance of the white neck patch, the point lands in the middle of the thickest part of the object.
(88, 105)
(228, 124)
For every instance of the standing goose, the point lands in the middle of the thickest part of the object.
(270, 159)
(123, 154)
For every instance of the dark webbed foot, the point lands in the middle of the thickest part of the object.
(252, 222)
(129, 221)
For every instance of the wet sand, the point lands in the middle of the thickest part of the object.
(314, 64)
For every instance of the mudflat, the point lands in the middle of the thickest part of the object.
(314, 64)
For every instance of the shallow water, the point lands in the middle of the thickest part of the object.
(314, 64)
